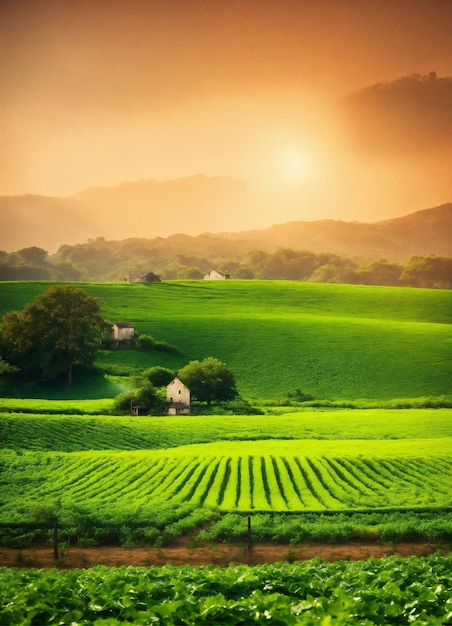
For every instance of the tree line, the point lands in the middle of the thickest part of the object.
(99, 260)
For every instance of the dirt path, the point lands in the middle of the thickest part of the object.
(204, 554)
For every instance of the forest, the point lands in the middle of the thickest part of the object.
(110, 261)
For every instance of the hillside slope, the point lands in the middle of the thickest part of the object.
(336, 342)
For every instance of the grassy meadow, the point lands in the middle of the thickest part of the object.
(334, 342)
(302, 472)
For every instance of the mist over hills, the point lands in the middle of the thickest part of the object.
(422, 233)
(145, 208)
(152, 210)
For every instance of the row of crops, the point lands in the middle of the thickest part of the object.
(387, 591)
(71, 433)
(240, 482)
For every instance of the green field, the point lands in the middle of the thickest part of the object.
(302, 475)
(124, 479)
(335, 342)
(121, 470)
(73, 433)
(387, 591)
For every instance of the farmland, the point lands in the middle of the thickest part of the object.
(303, 472)
(270, 476)
(315, 592)
(119, 471)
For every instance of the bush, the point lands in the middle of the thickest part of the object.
(158, 376)
(145, 343)
(123, 402)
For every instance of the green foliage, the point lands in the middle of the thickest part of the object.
(158, 376)
(431, 271)
(145, 343)
(209, 380)
(144, 396)
(122, 404)
(390, 590)
(6, 368)
(340, 527)
(61, 328)
(299, 396)
(100, 261)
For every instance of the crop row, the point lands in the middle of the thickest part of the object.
(77, 433)
(387, 591)
(242, 482)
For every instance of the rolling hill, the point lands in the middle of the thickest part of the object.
(153, 210)
(334, 342)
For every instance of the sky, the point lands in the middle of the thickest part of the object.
(303, 99)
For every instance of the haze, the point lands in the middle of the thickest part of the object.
(278, 93)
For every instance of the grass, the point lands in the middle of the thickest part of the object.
(152, 477)
(76, 433)
(337, 342)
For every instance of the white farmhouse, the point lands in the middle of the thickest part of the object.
(123, 332)
(178, 398)
(216, 275)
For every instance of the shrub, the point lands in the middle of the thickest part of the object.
(158, 376)
(145, 343)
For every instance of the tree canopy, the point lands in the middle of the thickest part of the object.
(60, 329)
(209, 380)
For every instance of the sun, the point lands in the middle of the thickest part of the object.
(292, 165)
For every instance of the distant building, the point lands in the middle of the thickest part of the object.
(142, 277)
(137, 411)
(123, 334)
(216, 275)
(178, 398)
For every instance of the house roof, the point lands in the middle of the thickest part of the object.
(142, 274)
(123, 324)
(175, 381)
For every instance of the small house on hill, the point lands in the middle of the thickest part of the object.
(178, 398)
(216, 275)
(143, 277)
(123, 334)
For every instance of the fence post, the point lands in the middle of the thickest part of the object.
(55, 539)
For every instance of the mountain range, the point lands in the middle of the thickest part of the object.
(154, 209)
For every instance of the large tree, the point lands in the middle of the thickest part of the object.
(209, 380)
(61, 328)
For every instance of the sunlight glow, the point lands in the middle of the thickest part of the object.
(293, 166)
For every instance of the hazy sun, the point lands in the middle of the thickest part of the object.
(293, 166)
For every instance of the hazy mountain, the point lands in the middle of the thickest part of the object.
(152, 209)
(32, 220)
(423, 233)
(146, 208)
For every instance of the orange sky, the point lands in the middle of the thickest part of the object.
(95, 92)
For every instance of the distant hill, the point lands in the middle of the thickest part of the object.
(32, 220)
(150, 210)
(422, 233)
(147, 208)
